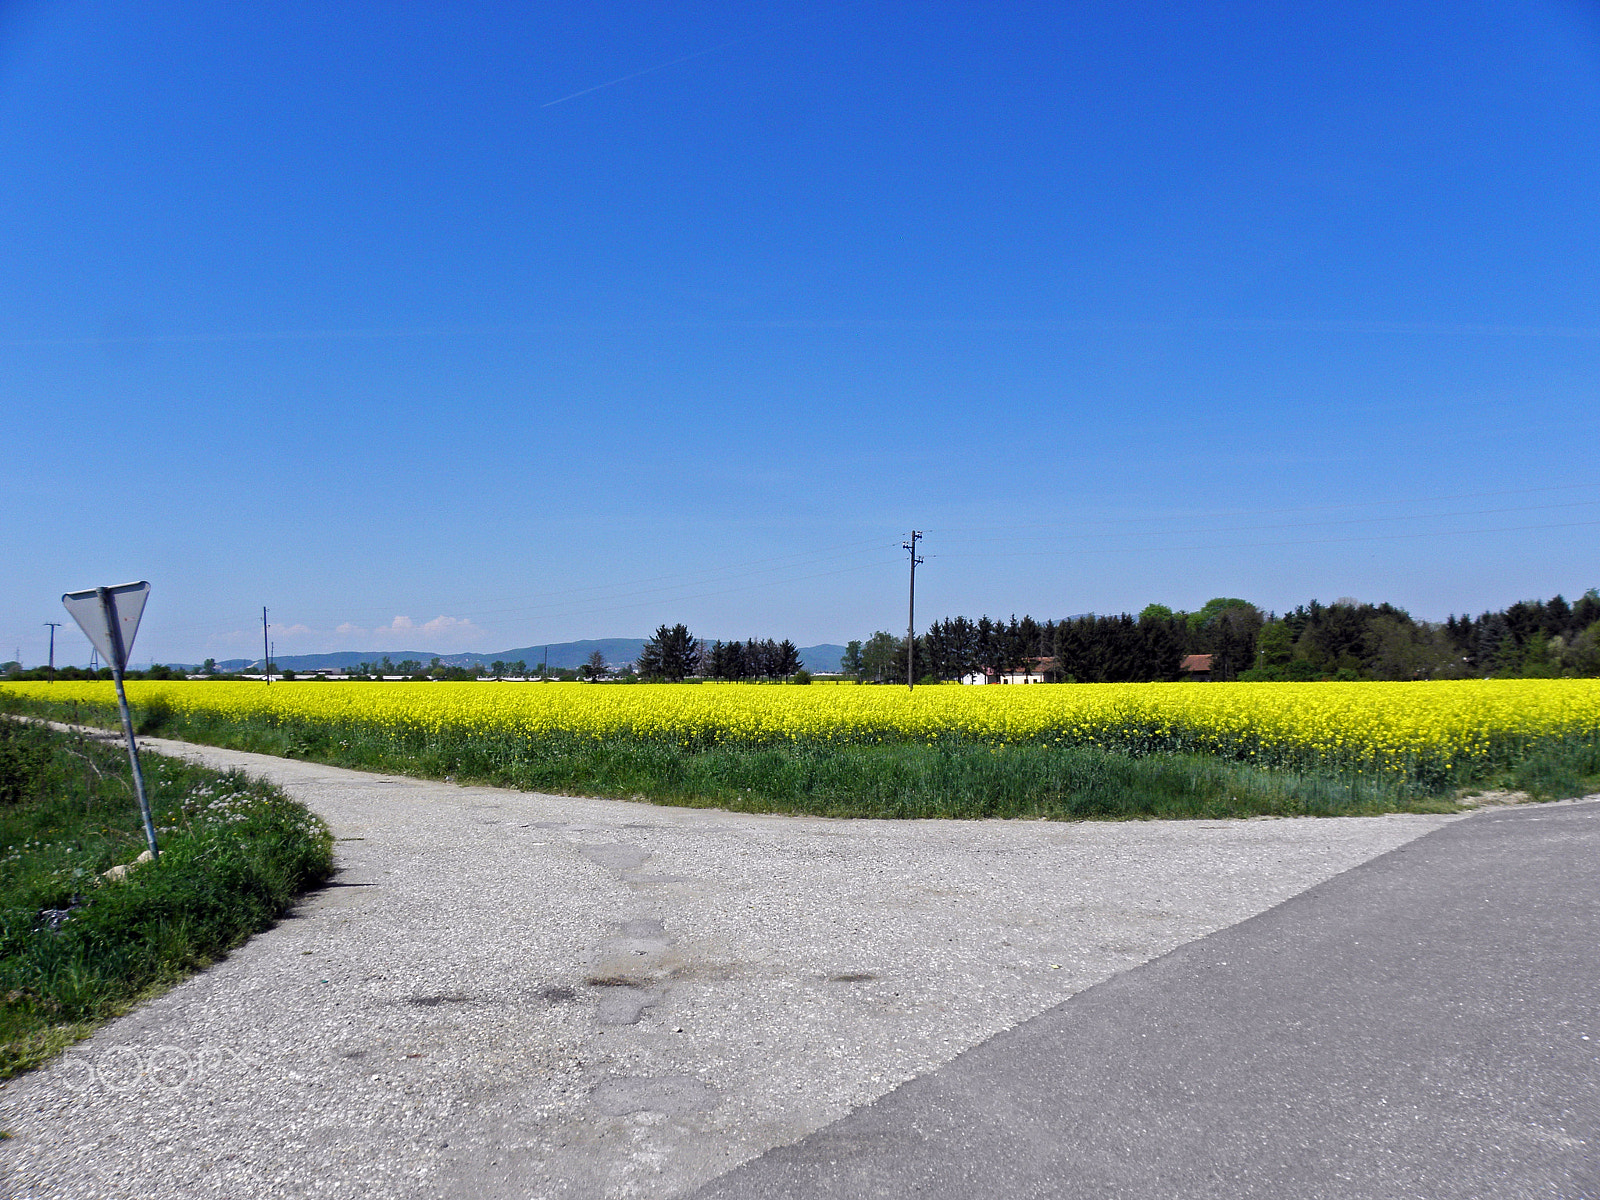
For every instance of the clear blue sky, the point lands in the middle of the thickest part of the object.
(473, 326)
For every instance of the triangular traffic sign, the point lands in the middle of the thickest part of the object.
(126, 605)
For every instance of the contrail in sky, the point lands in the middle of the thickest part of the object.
(658, 67)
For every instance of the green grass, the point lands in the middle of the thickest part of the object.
(1558, 772)
(952, 779)
(234, 853)
(948, 781)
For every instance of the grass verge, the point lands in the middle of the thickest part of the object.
(76, 948)
(952, 779)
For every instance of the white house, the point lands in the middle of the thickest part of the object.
(1033, 671)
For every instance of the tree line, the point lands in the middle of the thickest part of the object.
(1347, 639)
(674, 654)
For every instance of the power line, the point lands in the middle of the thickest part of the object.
(1377, 537)
(1436, 516)
(989, 530)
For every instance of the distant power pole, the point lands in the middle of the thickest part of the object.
(911, 616)
(54, 625)
(266, 649)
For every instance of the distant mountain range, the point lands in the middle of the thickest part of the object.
(569, 655)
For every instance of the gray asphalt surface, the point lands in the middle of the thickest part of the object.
(517, 995)
(1426, 1025)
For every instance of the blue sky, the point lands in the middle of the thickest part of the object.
(475, 326)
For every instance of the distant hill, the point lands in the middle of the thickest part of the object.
(341, 659)
(568, 655)
(823, 659)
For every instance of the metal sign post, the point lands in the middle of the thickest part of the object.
(109, 616)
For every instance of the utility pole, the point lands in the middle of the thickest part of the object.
(544, 667)
(911, 615)
(266, 649)
(54, 625)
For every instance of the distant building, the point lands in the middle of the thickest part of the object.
(1196, 667)
(1033, 670)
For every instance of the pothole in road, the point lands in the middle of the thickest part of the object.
(614, 856)
(623, 998)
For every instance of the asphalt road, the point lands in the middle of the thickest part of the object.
(1424, 1025)
(507, 995)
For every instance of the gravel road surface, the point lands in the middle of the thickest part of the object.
(506, 994)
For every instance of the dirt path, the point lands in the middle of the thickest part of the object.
(506, 994)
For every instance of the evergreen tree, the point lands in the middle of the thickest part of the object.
(991, 646)
(727, 661)
(785, 659)
(1071, 651)
(672, 654)
(1497, 647)
(1587, 610)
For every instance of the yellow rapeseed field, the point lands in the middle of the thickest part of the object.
(1390, 729)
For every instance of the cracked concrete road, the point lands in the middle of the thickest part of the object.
(506, 994)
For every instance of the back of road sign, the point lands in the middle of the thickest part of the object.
(127, 603)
